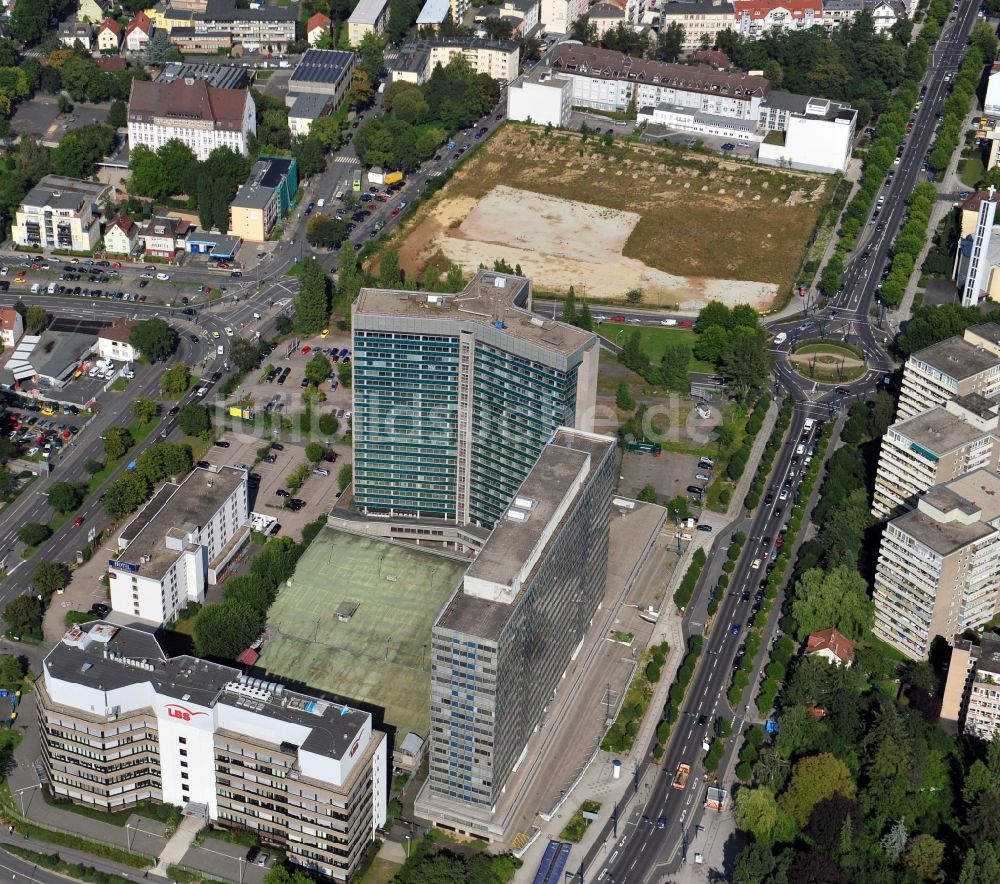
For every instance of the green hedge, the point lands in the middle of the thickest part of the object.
(687, 586)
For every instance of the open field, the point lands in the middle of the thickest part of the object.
(682, 227)
(654, 341)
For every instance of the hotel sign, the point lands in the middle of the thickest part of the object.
(123, 566)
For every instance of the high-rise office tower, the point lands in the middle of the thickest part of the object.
(456, 395)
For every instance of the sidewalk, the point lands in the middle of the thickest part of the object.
(598, 782)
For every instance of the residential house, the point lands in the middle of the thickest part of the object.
(121, 236)
(368, 17)
(167, 18)
(202, 116)
(605, 16)
(138, 32)
(500, 59)
(317, 26)
(90, 11)
(433, 14)
(754, 18)
(165, 237)
(832, 646)
(109, 36)
(305, 110)
(60, 213)
(73, 32)
(11, 326)
(972, 692)
(559, 15)
(115, 341)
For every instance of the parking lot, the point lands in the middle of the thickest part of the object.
(40, 118)
(670, 474)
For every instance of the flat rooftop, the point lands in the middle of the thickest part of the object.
(107, 657)
(491, 299)
(977, 404)
(938, 430)
(989, 331)
(175, 510)
(550, 481)
(957, 358)
(944, 538)
(380, 656)
(980, 490)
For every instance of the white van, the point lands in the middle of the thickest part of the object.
(221, 350)
(800, 450)
(36, 288)
(52, 288)
(321, 202)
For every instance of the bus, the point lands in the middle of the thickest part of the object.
(357, 180)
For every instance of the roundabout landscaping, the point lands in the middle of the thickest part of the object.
(828, 362)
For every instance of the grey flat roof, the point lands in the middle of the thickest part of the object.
(990, 331)
(938, 430)
(957, 358)
(57, 351)
(490, 299)
(977, 404)
(176, 508)
(309, 106)
(988, 656)
(225, 10)
(253, 196)
(511, 542)
(409, 59)
(221, 76)
(321, 66)
(980, 490)
(367, 12)
(944, 538)
(434, 12)
(332, 726)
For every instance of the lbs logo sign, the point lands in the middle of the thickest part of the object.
(182, 712)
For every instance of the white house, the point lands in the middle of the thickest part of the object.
(540, 97)
(558, 15)
(11, 327)
(109, 36)
(114, 341)
(317, 26)
(73, 32)
(138, 32)
(832, 646)
(121, 236)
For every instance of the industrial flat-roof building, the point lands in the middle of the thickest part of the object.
(456, 395)
(323, 72)
(178, 543)
(122, 723)
(506, 636)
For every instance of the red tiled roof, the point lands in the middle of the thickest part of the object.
(758, 9)
(111, 63)
(715, 57)
(317, 21)
(123, 223)
(188, 101)
(248, 657)
(139, 21)
(831, 640)
(109, 24)
(972, 202)
(119, 330)
(8, 317)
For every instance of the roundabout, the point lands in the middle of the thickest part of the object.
(827, 362)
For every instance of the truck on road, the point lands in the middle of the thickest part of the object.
(681, 777)
(392, 178)
(780, 338)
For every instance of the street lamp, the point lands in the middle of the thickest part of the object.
(20, 794)
(407, 837)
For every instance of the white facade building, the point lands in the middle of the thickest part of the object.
(558, 15)
(124, 723)
(817, 138)
(368, 17)
(180, 541)
(542, 98)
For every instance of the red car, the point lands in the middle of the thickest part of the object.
(617, 318)
(78, 521)
(779, 542)
(305, 350)
(116, 264)
(394, 212)
(222, 265)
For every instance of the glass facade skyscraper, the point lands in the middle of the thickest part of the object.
(456, 395)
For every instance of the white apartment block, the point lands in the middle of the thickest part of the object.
(951, 368)
(754, 18)
(268, 28)
(499, 59)
(541, 98)
(369, 17)
(179, 543)
(701, 19)
(60, 213)
(557, 15)
(123, 723)
(939, 565)
(937, 445)
(192, 111)
(972, 691)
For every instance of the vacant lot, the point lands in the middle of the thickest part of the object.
(655, 341)
(682, 227)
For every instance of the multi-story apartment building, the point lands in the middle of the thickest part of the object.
(60, 213)
(123, 723)
(754, 18)
(972, 691)
(265, 198)
(554, 15)
(950, 368)
(499, 59)
(179, 543)
(368, 17)
(202, 116)
(701, 19)
(939, 444)
(455, 396)
(939, 565)
(265, 29)
(504, 639)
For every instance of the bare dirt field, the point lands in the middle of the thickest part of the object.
(682, 227)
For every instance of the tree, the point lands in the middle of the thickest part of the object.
(584, 319)
(50, 577)
(317, 369)
(584, 30)
(117, 114)
(194, 420)
(712, 344)
(244, 355)
(225, 630)
(370, 57)
(647, 494)
(389, 274)
(569, 307)
(145, 410)
(345, 372)
(747, 363)
(623, 398)
(117, 442)
(984, 38)
(838, 599)
(328, 424)
(359, 93)
(923, 856)
(755, 863)
(713, 313)
(312, 304)
(37, 320)
(325, 232)
(11, 671)
(310, 154)
(154, 339)
(633, 296)
(126, 494)
(314, 452)
(65, 497)
(177, 160)
(669, 43)
(175, 380)
(674, 368)
(159, 48)
(894, 841)
(24, 615)
(33, 533)
(344, 476)
(757, 812)
(814, 779)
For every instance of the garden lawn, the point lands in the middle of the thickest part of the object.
(655, 340)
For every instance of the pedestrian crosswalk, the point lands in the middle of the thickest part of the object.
(348, 160)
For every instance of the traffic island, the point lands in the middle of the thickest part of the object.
(827, 362)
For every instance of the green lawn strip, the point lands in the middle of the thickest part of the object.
(119, 385)
(199, 447)
(655, 340)
(139, 430)
(65, 839)
(381, 871)
(971, 171)
(163, 813)
(832, 349)
(576, 828)
(53, 861)
(179, 873)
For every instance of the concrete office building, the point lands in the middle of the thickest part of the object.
(264, 199)
(951, 368)
(368, 17)
(323, 72)
(181, 541)
(506, 636)
(972, 691)
(455, 396)
(939, 565)
(123, 723)
(540, 97)
(942, 443)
